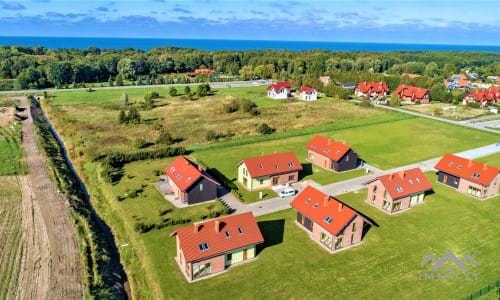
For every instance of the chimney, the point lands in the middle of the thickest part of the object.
(329, 142)
(197, 227)
(200, 169)
(469, 164)
(343, 142)
(485, 167)
(262, 153)
(402, 174)
(341, 206)
(392, 176)
(326, 201)
(217, 226)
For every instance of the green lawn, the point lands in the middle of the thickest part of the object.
(385, 266)
(11, 152)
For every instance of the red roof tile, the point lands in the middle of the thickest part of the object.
(405, 183)
(277, 163)
(481, 95)
(185, 173)
(307, 90)
(467, 169)
(411, 91)
(318, 206)
(329, 148)
(221, 235)
(372, 87)
(279, 86)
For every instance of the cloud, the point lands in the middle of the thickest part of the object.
(347, 14)
(182, 10)
(12, 6)
(102, 9)
(160, 1)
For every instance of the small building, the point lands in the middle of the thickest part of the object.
(399, 191)
(468, 176)
(325, 80)
(331, 155)
(371, 89)
(308, 94)
(482, 97)
(189, 182)
(412, 94)
(269, 170)
(210, 247)
(457, 81)
(329, 222)
(279, 90)
(201, 71)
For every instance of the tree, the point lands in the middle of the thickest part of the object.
(172, 91)
(125, 99)
(395, 102)
(110, 81)
(187, 90)
(119, 80)
(133, 116)
(203, 89)
(122, 118)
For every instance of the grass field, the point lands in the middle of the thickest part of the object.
(448, 111)
(10, 237)
(11, 153)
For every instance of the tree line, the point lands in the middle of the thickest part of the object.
(39, 67)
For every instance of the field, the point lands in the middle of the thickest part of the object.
(11, 243)
(390, 256)
(448, 111)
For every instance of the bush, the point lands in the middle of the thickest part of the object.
(473, 105)
(172, 91)
(265, 129)
(211, 135)
(231, 106)
(140, 143)
(164, 138)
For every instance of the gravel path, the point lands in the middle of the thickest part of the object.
(51, 266)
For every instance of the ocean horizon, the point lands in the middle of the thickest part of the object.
(146, 44)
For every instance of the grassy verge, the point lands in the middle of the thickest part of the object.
(11, 152)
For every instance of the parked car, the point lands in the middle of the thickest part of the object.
(287, 192)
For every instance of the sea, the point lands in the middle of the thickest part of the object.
(212, 44)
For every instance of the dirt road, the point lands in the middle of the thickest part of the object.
(51, 266)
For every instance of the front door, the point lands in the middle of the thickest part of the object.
(445, 179)
(245, 254)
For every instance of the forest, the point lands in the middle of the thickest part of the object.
(40, 68)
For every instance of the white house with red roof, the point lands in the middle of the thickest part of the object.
(398, 191)
(412, 94)
(329, 222)
(330, 154)
(468, 176)
(279, 90)
(189, 182)
(269, 170)
(371, 89)
(212, 246)
(308, 93)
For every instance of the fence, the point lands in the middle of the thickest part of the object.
(485, 290)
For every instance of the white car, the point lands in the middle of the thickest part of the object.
(287, 192)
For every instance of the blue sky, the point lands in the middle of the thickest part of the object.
(403, 21)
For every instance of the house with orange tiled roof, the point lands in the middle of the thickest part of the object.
(398, 191)
(412, 94)
(457, 81)
(329, 222)
(371, 89)
(210, 247)
(308, 93)
(279, 90)
(325, 80)
(482, 97)
(269, 170)
(468, 176)
(189, 182)
(331, 155)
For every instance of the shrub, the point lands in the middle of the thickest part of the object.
(265, 129)
(164, 138)
(473, 105)
(172, 91)
(231, 106)
(203, 89)
(140, 143)
(211, 135)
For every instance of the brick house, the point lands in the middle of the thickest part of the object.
(468, 176)
(371, 89)
(331, 155)
(412, 94)
(482, 97)
(328, 221)
(189, 182)
(279, 90)
(399, 191)
(269, 170)
(308, 94)
(210, 247)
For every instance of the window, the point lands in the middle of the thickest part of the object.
(229, 256)
(410, 181)
(291, 177)
(311, 156)
(353, 227)
(375, 188)
(475, 175)
(450, 163)
(291, 164)
(399, 189)
(352, 239)
(373, 199)
(459, 166)
(203, 246)
(308, 200)
(201, 187)
(417, 180)
(276, 167)
(315, 205)
(240, 230)
(261, 181)
(455, 181)
(261, 166)
(347, 158)
(326, 150)
(338, 243)
(385, 194)
(328, 219)
(228, 235)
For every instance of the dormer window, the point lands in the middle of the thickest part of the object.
(291, 164)
(399, 189)
(228, 235)
(240, 230)
(328, 219)
(459, 166)
(308, 200)
(450, 163)
(315, 205)
(203, 246)
(475, 175)
(261, 166)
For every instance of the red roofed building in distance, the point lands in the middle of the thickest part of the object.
(279, 90)
(269, 170)
(482, 97)
(325, 80)
(210, 247)
(398, 191)
(189, 182)
(457, 81)
(308, 93)
(331, 155)
(371, 89)
(329, 222)
(412, 94)
(468, 176)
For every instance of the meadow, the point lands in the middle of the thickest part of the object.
(11, 152)
(389, 258)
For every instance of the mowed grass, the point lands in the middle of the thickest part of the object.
(11, 244)
(11, 152)
(386, 266)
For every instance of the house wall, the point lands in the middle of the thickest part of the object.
(237, 256)
(216, 265)
(377, 196)
(243, 174)
(350, 235)
(348, 162)
(282, 94)
(202, 190)
(304, 221)
(448, 179)
(177, 191)
(319, 159)
(478, 190)
(305, 96)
